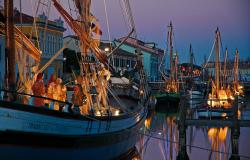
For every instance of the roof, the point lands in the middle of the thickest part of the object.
(122, 52)
(71, 36)
(118, 51)
(142, 45)
(22, 18)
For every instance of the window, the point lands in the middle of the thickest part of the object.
(116, 62)
(128, 63)
(133, 63)
(122, 62)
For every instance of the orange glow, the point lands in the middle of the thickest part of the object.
(148, 122)
(217, 134)
(222, 99)
(239, 113)
(218, 137)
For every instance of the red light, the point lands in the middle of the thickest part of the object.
(183, 68)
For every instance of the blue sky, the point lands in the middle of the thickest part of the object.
(194, 21)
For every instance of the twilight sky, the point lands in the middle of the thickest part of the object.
(194, 21)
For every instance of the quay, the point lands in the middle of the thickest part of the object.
(233, 122)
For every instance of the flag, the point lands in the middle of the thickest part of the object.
(96, 28)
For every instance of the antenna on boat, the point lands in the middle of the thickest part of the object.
(191, 59)
(225, 69)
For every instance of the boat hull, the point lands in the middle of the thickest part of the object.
(213, 113)
(167, 102)
(40, 133)
(195, 98)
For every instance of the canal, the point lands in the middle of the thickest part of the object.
(161, 136)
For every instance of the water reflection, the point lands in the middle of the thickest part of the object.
(161, 138)
(218, 137)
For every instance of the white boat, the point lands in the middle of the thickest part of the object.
(220, 99)
(195, 98)
(90, 137)
(213, 112)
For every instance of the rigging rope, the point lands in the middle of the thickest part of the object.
(209, 55)
(124, 19)
(107, 22)
(46, 26)
(34, 24)
(108, 27)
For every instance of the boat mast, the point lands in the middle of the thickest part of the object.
(191, 60)
(224, 69)
(10, 46)
(217, 61)
(236, 60)
(171, 53)
(176, 83)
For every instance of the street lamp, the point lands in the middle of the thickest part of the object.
(106, 49)
(64, 64)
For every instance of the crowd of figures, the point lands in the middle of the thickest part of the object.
(54, 89)
(89, 91)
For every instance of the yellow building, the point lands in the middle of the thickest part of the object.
(47, 36)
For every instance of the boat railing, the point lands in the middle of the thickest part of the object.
(62, 104)
(4, 92)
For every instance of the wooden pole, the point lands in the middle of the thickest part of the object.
(235, 132)
(217, 61)
(10, 45)
(182, 154)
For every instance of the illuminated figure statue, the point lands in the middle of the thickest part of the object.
(39, 90)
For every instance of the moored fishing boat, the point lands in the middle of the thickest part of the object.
(169, 96)
(195, 88)
(220, 99)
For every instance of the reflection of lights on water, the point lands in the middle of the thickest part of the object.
(147, 123)
(239, 113)
(220, 132)
(159, 133)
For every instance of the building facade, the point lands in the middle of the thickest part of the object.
(243, 68)
(152, 56)
(47, 36)
(124, 58)
(121, 60)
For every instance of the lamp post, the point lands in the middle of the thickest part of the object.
(106, 49)
(64, 64)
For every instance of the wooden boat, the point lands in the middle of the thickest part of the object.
(169, 94)
(194, 91)
(220, 99)
(100, 133)
(213, 112)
